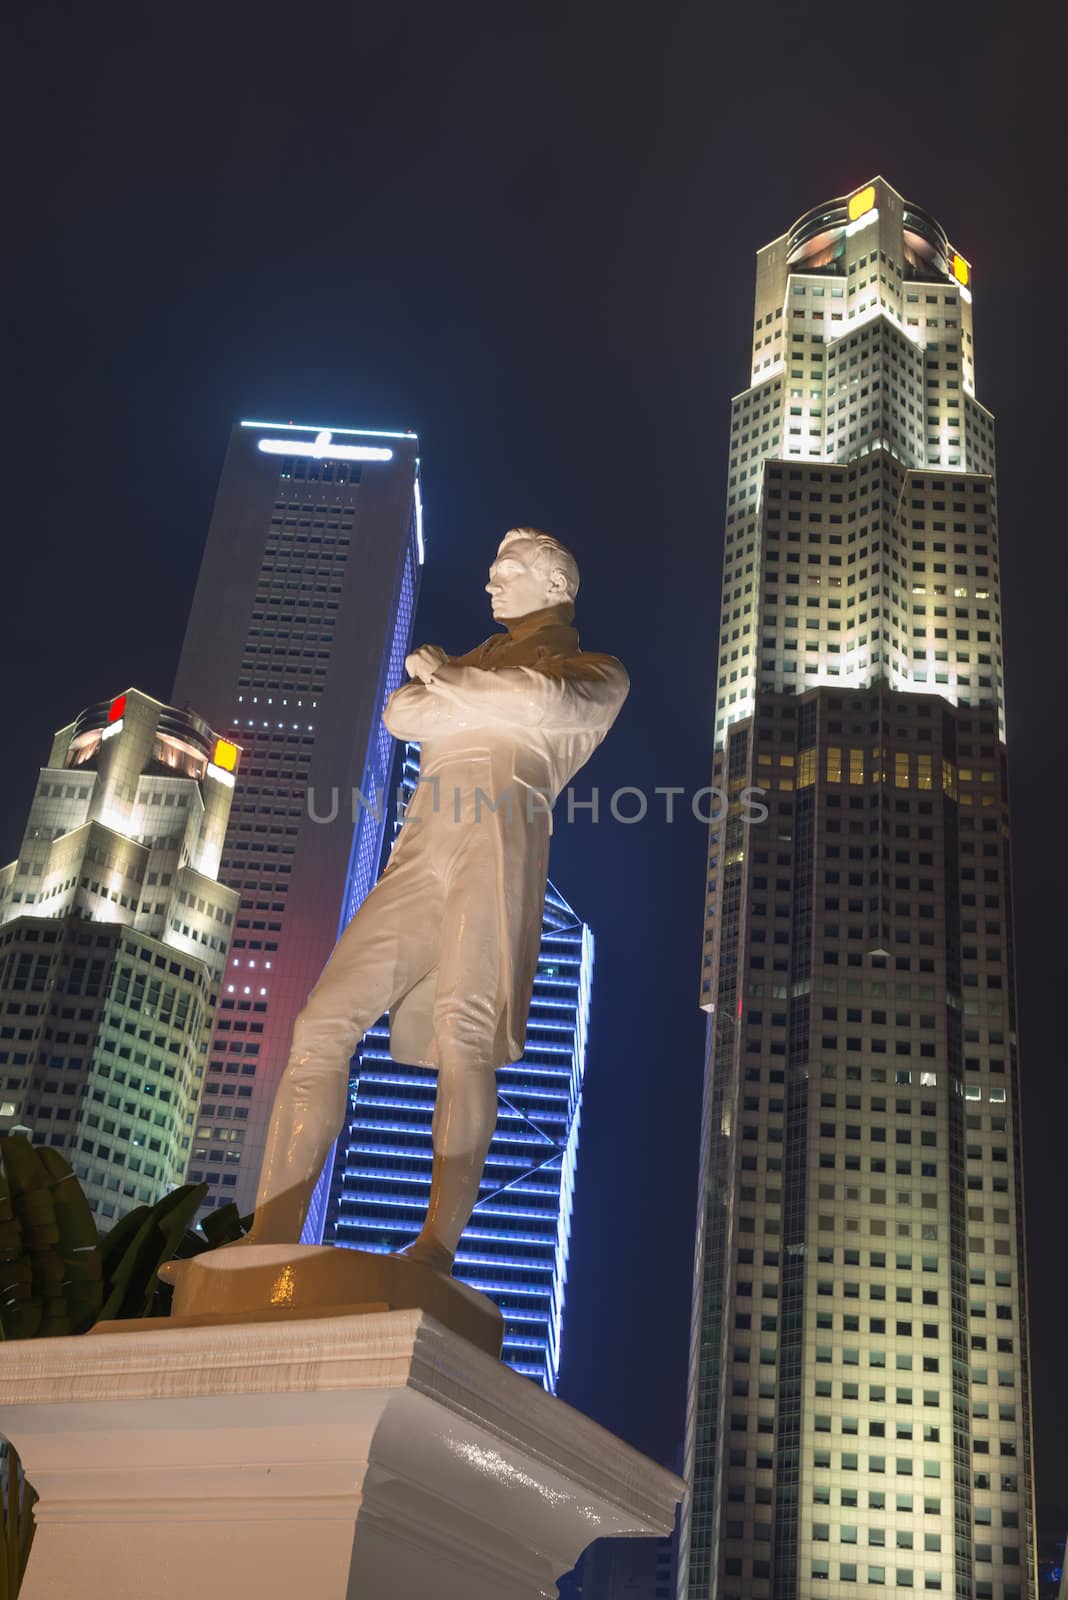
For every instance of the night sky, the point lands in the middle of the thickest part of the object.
(527, 232)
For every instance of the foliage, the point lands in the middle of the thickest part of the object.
(50, 1259)
(16, 1521)
(58, 1276)
(135, 1249)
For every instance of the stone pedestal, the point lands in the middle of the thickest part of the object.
(370, 1457)
(246, 1283)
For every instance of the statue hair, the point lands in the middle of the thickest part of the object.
(554, 553)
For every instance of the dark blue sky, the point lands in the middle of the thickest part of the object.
(526, 231)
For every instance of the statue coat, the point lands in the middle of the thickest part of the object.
(515, 720)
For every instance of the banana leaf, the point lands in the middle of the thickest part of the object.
(133, 1287)
(16, 1521)
(114, 1243)
(50, 1270)
(222, 1226)
(78, 1252)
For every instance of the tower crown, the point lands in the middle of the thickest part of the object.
(816, 243)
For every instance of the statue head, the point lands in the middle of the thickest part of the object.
(532, 571)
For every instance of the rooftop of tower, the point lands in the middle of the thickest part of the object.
(815, 241)
(329, 429)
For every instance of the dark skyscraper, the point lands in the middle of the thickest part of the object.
(859, 1399)
(299, 628)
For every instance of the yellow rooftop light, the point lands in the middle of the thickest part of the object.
(862, 201)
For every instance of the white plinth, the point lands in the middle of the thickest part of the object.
(377, 1457)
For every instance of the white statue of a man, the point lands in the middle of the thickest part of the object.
(447, 941)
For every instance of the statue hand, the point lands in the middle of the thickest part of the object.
(424, 662)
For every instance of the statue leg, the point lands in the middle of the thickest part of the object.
(465, 1116)
(388, 945)
(465, 1028)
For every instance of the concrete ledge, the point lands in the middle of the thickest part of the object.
(334, 1457)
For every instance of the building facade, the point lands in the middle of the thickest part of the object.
(858, 1414)
(515, 1248)
(623, 1569)
(114, 933)
(298, 631)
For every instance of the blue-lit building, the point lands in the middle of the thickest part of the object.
(515, 1248)
(298, 630)
(623, 1569)
(1052, 1571)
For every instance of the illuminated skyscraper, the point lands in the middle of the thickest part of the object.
(515, 1248)
(114, 934)
(299, 628)
(859, 1402)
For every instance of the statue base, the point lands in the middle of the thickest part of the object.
(246, 1283)
(345, 1458)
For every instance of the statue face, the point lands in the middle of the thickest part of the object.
(522, 580)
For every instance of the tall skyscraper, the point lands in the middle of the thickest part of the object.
(114, 934)
(859, 1400)
(515, 1248)
(298, 632)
